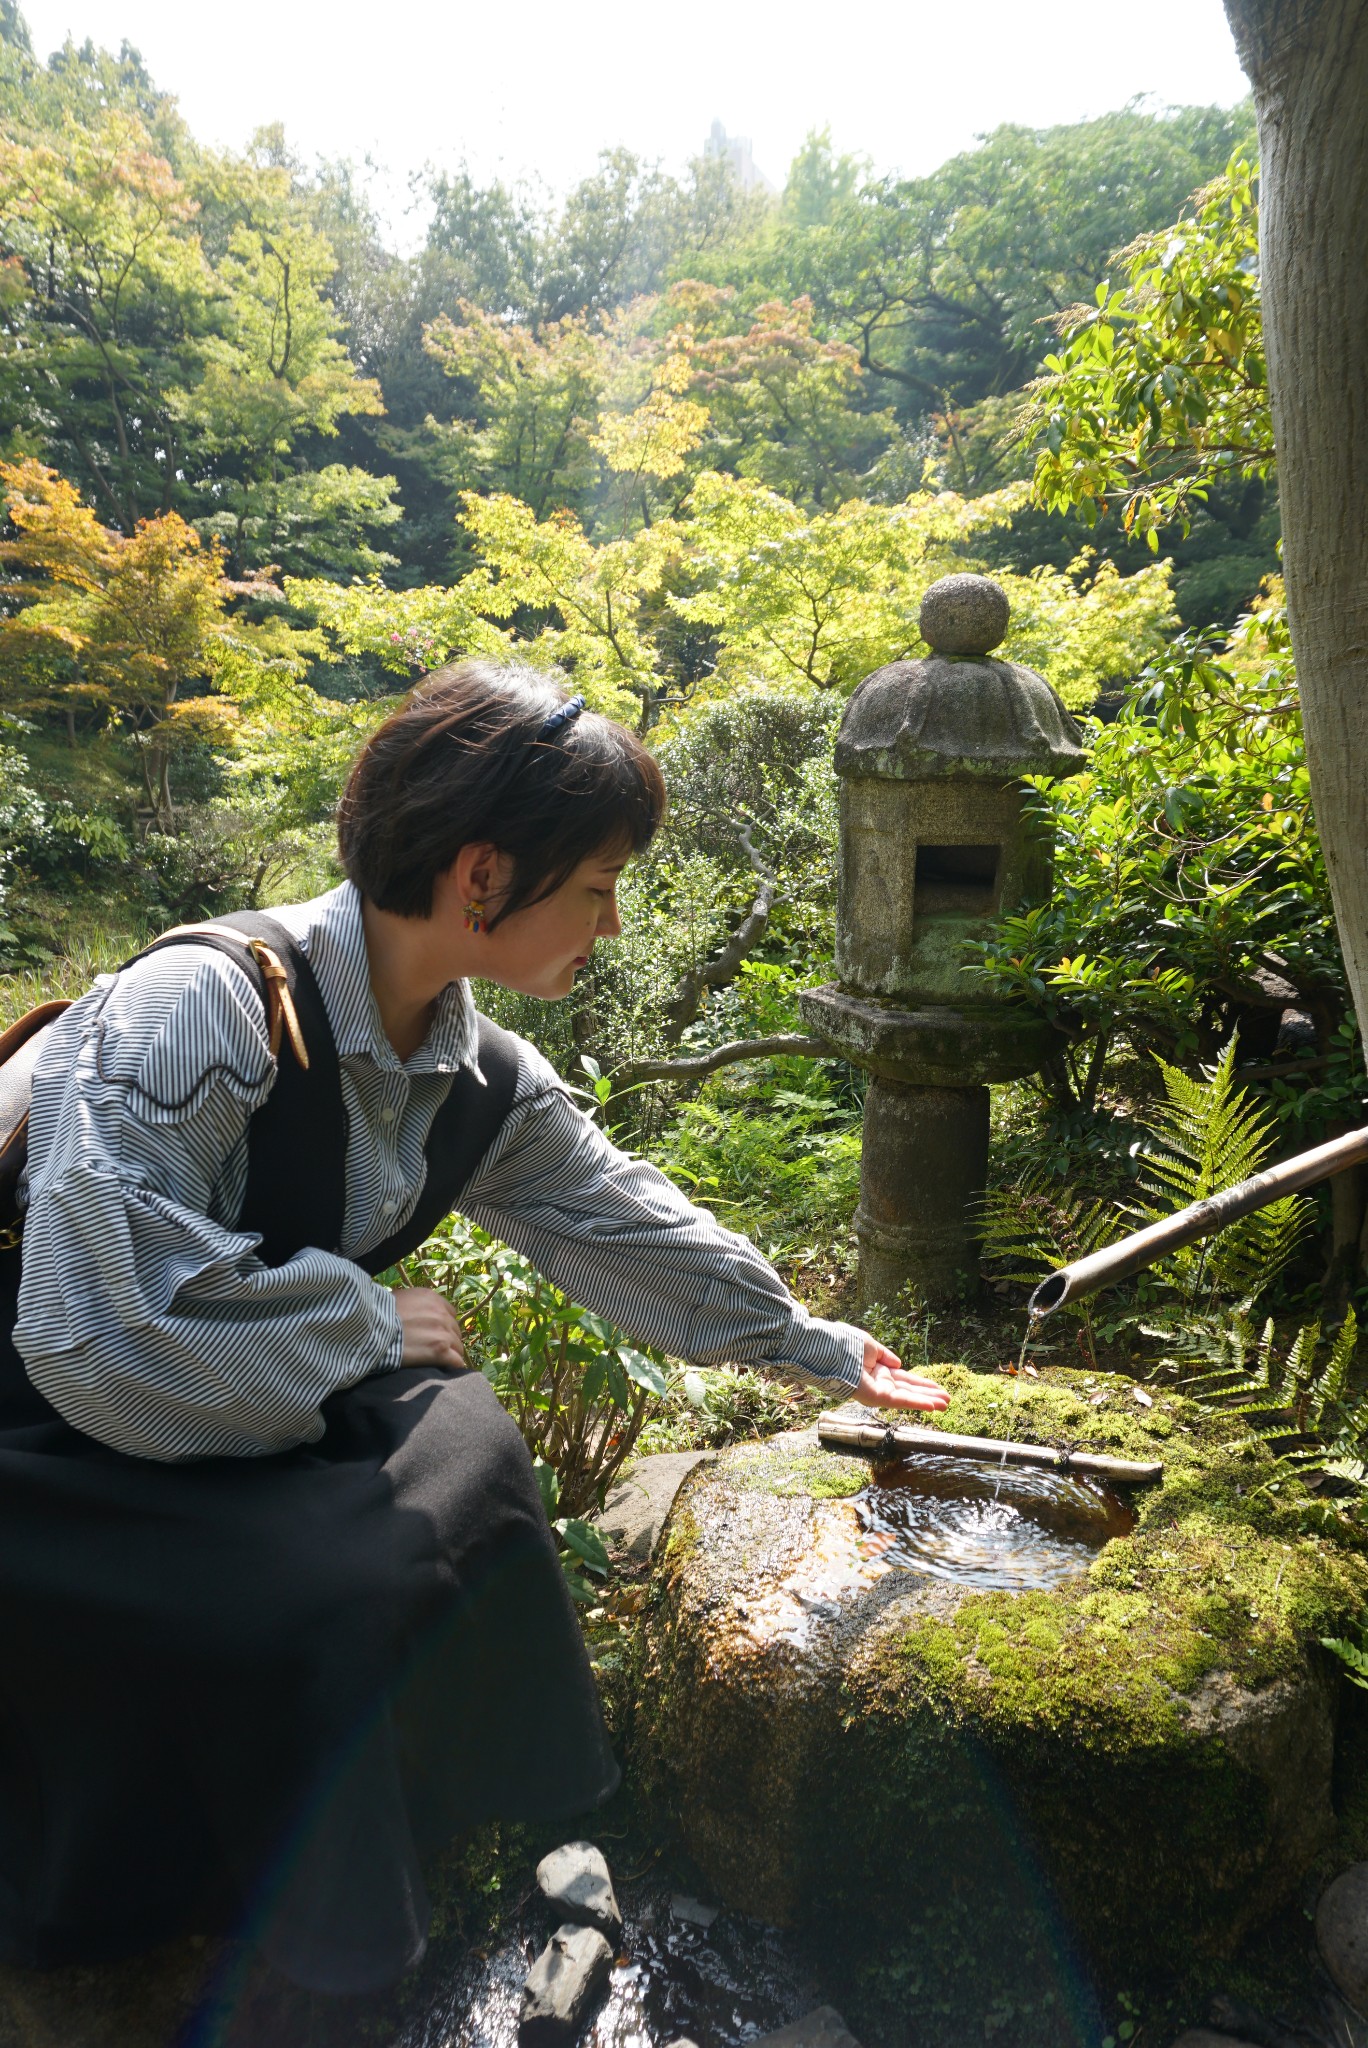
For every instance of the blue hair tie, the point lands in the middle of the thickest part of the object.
(564, 714)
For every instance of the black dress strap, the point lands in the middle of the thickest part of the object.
(297, 1140)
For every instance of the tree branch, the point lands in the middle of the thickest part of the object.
(788, 1044)
(684, 1006)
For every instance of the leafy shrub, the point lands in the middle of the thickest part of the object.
(778, 1155)
(1190, 892)
(576, 1388)
(223, 857)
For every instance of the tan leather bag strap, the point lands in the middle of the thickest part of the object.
(281, 1015)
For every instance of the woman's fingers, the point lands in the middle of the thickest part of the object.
(885, 1388)
(884, 1384)
(432, 1335)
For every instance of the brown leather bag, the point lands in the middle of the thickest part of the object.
(20, 1047)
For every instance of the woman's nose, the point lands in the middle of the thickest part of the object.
(610, 923)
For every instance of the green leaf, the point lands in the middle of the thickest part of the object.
(643, 1371)
(548, 1486)
(587, 1544)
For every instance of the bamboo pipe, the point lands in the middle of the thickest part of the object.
(1143, 1247)
(848, 1434)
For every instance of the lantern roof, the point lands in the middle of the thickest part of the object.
(917, 721)
(958, 713)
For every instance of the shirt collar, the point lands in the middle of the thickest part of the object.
(330, 934)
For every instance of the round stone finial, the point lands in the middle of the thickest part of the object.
(964, 615)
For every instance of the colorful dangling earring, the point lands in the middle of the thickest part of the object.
(475, 917)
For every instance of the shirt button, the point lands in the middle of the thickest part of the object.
(388, 1208)
(388, 1113)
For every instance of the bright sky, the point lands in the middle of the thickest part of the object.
(536, 87)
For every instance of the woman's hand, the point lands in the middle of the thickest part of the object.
(432, 1335)
(884, 1384)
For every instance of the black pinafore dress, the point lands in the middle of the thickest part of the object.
(249, 1695)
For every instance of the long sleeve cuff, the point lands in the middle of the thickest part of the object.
(824, 1353)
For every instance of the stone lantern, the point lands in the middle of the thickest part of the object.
(935, 844)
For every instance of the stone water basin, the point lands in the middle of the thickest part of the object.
(971, 1525)
(1001, 1702)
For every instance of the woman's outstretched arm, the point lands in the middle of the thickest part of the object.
(617, 1235)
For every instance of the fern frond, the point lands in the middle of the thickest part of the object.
(1351, 1656)
(1040, 1226)
(1209, 1136)
(1211, 1132)
(1341, 1358)
(1297, 1407)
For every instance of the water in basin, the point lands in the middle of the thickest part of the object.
(1012, 1527)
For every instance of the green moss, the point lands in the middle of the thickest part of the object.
(681, 1540)
(780, 1468)
(1215, 1576)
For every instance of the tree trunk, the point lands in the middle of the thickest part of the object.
(1308, 63)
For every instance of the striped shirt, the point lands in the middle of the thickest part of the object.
(146, 1316)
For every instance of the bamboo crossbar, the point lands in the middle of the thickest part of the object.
(888, 1439)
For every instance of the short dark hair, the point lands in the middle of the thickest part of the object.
(464, 760)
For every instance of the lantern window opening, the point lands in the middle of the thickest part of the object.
(957, 881)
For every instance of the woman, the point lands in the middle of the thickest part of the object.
(280, 1605)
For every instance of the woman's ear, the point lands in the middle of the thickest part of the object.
(478, 874)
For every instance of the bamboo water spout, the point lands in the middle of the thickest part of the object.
(1118, 1261)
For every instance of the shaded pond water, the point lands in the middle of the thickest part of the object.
(1014, 1528)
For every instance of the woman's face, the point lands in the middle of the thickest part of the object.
(538, 950)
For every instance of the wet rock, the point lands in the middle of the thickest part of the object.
(692, 1911)
(1342, 1933)
(635, 1511)
(575, 1880)
(831, 1731)
(562, 1986)
(822, 2028)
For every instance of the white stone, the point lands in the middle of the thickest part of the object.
(1204, 2037)
(1342, 1933)
(692, 1911)
(821, 2028)
(576, 1881)
(636, 1509)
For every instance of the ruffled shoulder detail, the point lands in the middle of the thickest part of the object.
(175, 1025)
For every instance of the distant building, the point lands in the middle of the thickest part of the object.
(735, 150)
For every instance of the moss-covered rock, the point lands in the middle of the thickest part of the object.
(1137, 1762)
